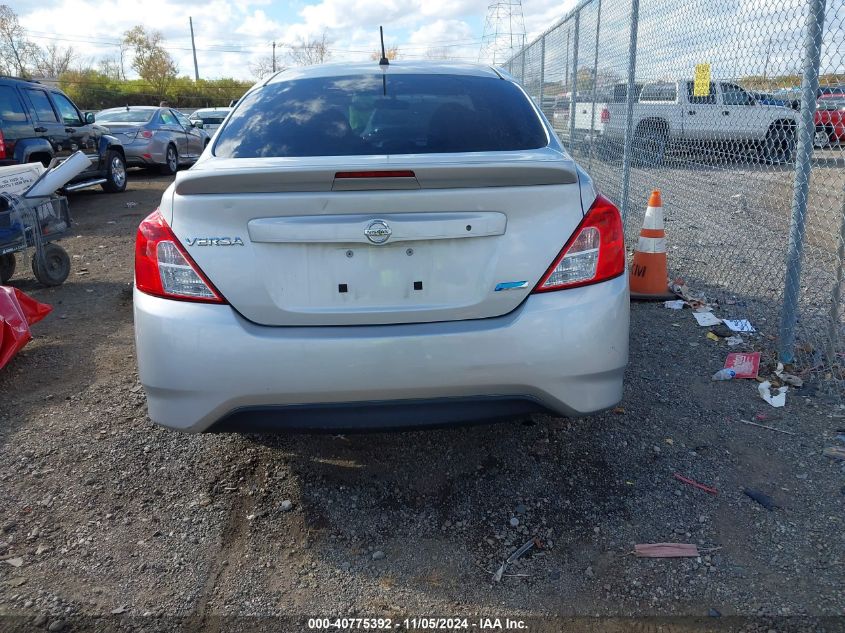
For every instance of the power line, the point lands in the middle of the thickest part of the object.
(241, 49)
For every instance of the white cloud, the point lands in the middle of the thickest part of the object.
(229, 35)
(259, 24)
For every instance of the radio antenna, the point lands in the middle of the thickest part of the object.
(383, 61)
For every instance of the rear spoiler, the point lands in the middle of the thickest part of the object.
(284, 178)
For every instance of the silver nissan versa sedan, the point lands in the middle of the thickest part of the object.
(365, 246)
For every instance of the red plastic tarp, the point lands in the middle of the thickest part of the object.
(17, 312)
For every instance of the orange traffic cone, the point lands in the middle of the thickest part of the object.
(649, 272)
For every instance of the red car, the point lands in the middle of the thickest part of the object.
(830, 120)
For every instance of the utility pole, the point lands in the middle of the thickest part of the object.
(194, 48)
(274, 56)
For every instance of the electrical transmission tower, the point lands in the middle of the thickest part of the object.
(504, 32)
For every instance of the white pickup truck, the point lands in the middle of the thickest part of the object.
(668, 116)
(587, 126)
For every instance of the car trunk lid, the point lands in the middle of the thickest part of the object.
(377, 239)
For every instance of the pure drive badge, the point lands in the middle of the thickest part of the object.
(378, 232)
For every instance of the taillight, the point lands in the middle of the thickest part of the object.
(595, 252)
(164, 269)
(2, 145)
(605, 115)
(146, 133)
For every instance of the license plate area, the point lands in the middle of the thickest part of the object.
(377, 276)
(326, 278)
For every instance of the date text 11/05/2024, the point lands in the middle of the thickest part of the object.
(418, 624)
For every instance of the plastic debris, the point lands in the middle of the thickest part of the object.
(835, 452)
(789, 379)
(678, 304)
(778, 400)
(724, 374)
(60, 175)
(694, 483)
(733, 341)
(17, 312)
(771, 428)
(497, 577)
(746, 365)
(713, 337)
(666, 550)
(763, 499)
(740, 325)
(706, 319)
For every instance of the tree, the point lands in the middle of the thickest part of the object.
(17, 54)
(89, 89)
(310, 52)
(122, 59)
(391, 53)
(110, 67)
(262, 66)
(150, 60)
(53, 61)
(437, 53)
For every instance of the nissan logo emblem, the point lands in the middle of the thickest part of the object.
(378, 232)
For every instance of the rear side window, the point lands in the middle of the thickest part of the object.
(659, 92)
(41, 104)
(375, 114)
(11, 109)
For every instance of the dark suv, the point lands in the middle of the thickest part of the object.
(39, 123)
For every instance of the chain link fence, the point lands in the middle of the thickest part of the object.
(735, 110)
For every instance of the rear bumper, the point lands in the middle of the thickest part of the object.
(146, 153)
(205, 368)
(381, 415)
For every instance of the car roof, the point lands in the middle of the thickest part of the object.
(8, 79)
(11, 79)
(207, 110)
(124, 108)
(395, 68)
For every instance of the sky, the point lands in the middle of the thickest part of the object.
(232, 34)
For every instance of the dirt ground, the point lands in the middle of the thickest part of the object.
(105, 517)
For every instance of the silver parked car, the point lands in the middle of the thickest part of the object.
(153, 136)
(317, 270)
(210, 118)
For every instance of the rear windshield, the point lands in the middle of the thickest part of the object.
(125, 116)
(375, 114)
(209, 120)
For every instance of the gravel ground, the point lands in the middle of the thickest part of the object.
(104, 514)
(728, 221)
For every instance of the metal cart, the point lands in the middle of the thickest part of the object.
(34, 223)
